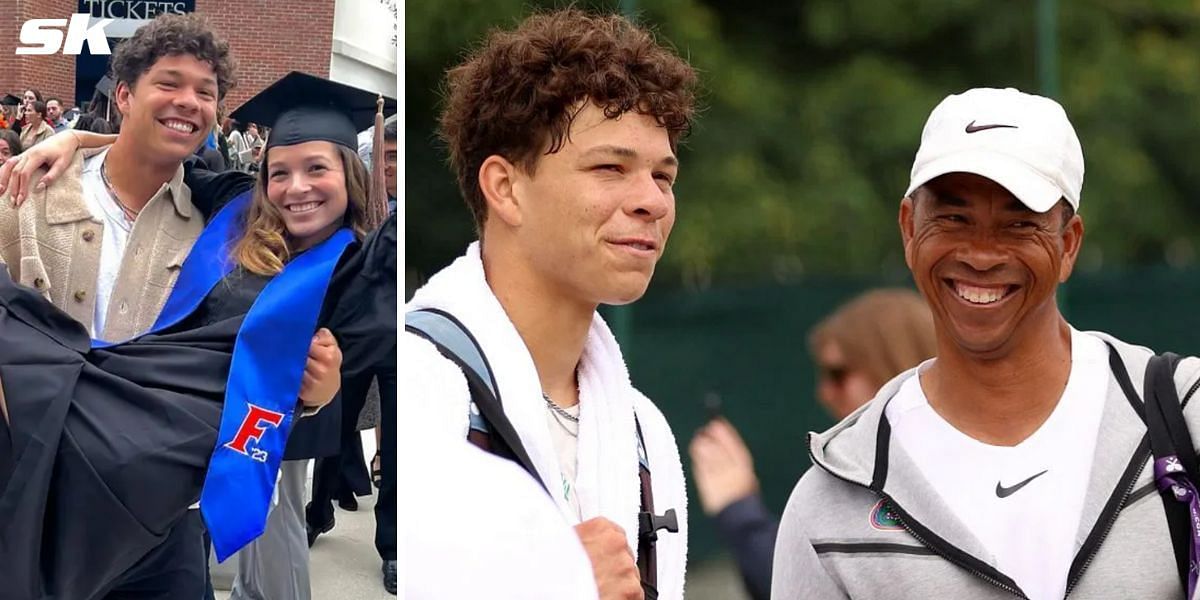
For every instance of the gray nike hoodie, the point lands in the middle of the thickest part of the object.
(864, 523)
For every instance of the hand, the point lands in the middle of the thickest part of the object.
(723, 466)
(323, 371)
(17, 172)
(616, 572)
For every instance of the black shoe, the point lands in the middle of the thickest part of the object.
(348, 503)
(389, 576)
(313, 532)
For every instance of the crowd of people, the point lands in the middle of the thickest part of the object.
(210, 327)
(30, 119)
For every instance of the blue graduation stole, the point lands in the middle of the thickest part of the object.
(269, 356)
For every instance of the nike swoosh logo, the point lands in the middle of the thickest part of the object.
(1004, 492)
(973, 128)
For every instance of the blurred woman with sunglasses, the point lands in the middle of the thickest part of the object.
(857, 349)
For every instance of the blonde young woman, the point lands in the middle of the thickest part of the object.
(138, 422)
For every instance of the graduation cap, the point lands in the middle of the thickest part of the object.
(10, 100)
(305, 108)
(105, 86)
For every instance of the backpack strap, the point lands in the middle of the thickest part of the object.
(490, 429)
(1175, 467)
(649, 523)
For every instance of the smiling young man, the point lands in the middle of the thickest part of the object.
(563, 135)
(105, 241)
(1014, 463)
(128, 200)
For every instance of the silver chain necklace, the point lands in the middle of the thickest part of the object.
(558, 409)
(129, 214)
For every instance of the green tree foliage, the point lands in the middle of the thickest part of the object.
(813, 112)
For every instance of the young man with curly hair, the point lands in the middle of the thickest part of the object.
(563, 135)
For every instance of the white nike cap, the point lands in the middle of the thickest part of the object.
(1021, 141)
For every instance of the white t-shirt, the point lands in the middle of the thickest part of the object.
(113, 239)
(1024, 502)
(565, 435)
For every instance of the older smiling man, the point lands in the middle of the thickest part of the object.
(1016, 462)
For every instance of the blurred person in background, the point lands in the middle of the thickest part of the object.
(10, 144)
(31, 95)
(54, 115)
(390, 156)
(239, 151)
(252, 136)
(27, 98)
(10, 113)
(36, 128)
(256, 158)
(858, 348)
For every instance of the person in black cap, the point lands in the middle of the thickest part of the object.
(100, 116)
(311, 184)
(9, 114)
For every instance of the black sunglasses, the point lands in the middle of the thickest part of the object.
(837, 374)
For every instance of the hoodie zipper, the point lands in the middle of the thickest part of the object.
(905, 519)
(1112, 519)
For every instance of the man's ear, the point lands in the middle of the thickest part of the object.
(122, 93)
(906, 219)
(1072, 240)
(498, 180)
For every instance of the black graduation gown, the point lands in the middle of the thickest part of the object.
(317, 436)
(108, 447)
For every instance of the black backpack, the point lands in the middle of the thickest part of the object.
(1173, 453)
(491, 431)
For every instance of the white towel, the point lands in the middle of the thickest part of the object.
(606, 480)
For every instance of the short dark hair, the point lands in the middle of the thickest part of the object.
(389, 130)
(40, 108)
(174, 35)
(519, 90)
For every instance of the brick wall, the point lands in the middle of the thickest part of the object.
(52, 75)
(269, 38)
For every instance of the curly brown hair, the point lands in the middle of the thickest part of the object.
(173, 35)
(519, 92)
